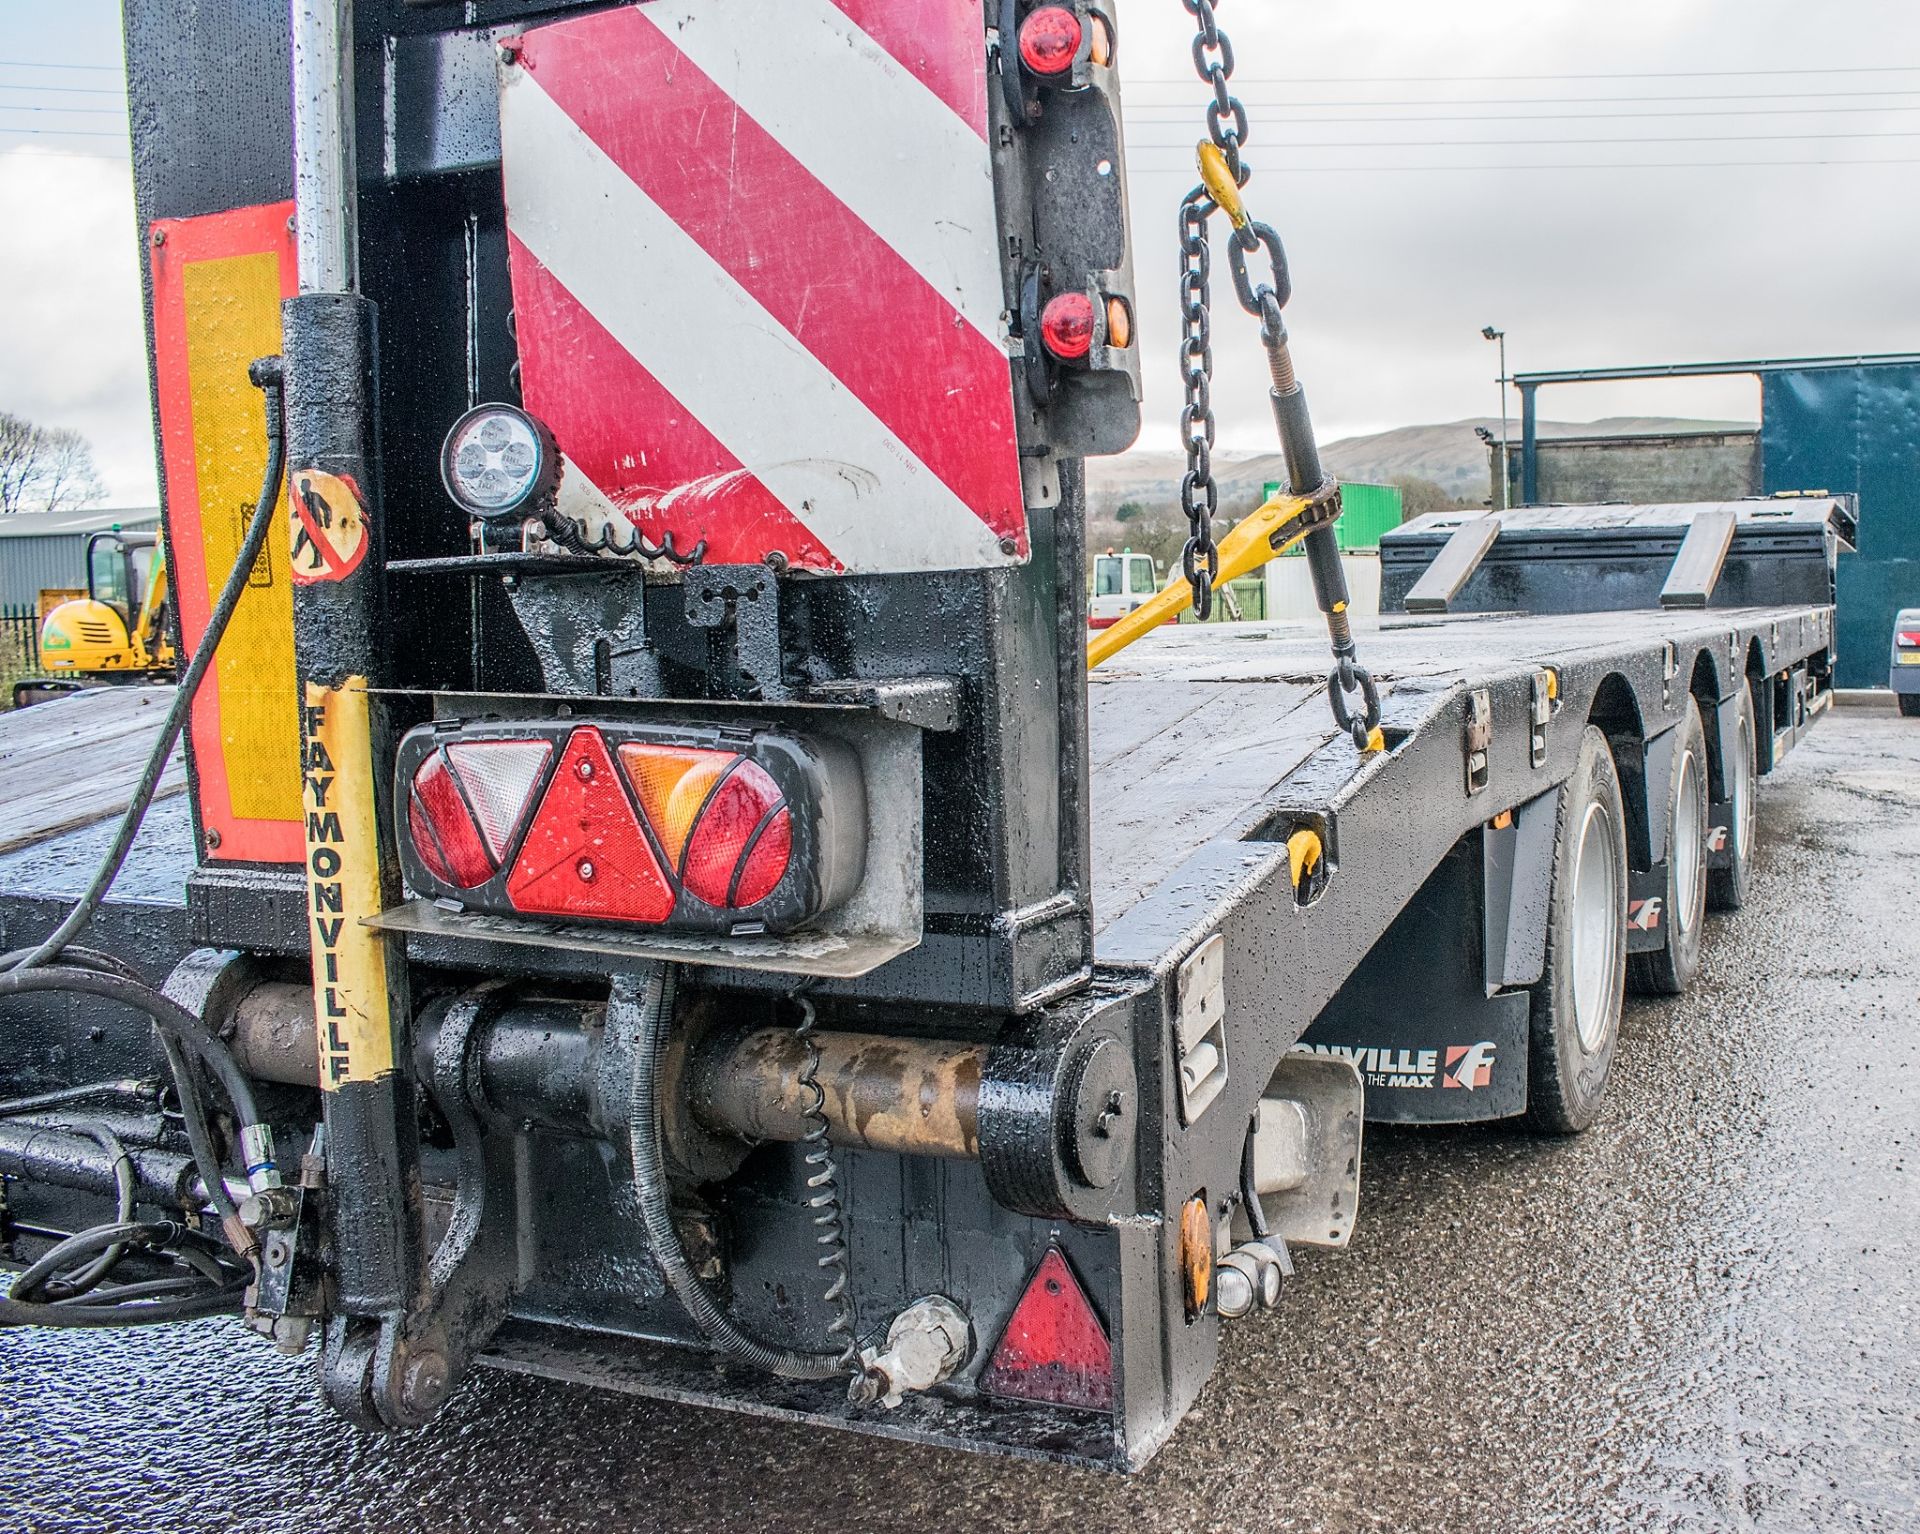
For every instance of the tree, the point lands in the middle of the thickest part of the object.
(1419, 496)
(45, 468)
(1128, 511)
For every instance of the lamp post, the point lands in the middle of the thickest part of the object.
(1493, 334)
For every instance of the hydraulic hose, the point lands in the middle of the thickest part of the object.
(267, 377)
(650, 1185)
(89, 972)
(180, 1032)
(212, 1302)
(133, 1091)
(70, 1286)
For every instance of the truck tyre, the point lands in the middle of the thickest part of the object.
(1669, 970)
(1910, 705)
(1575, 1015)
(1740, 767)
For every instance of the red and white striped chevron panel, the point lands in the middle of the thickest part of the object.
(755, 279)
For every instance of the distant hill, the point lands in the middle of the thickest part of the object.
(1449, 455)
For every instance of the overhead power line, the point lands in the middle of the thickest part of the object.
(1526, 143)
(1136, 115)
(111, 69)
(66, 132)
(1242, 81)
(7, 106)
(63, 90)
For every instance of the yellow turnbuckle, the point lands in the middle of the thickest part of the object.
(1276, 527)
(1217, 177)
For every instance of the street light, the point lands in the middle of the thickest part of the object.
(1494, 334)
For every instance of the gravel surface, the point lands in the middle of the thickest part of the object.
(1701, 1315)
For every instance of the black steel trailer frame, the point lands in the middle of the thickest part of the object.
(1181, 729)
(1119, 903)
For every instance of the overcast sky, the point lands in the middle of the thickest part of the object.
(1390, 144)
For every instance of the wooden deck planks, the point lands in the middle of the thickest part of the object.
(75, 760)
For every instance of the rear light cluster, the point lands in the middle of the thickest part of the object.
(641, 825)
(1050, 40)
(1054, 38)
(1068, 331)
(1908, 639)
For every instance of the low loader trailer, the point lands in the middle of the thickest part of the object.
(665, 894)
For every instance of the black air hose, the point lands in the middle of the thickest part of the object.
(650, 1185)
(267, 377)
(180, 1032)
(88, 972)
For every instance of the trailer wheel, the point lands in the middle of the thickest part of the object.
(1727, 887)
(1575, 1020)
(1910, 705)
(1669, 970)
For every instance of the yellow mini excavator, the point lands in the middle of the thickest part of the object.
(117, 632)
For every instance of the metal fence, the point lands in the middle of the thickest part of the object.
(19, 647)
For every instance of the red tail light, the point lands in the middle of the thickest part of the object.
(1907, 639)
(1054, 1349)
(1049, 40)
(732, 822)
(1066, 325)
(614, 823)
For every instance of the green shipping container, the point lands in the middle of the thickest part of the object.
(1368, 511)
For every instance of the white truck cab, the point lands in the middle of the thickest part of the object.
(1121, 582)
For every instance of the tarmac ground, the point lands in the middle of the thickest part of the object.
(1703, 1314)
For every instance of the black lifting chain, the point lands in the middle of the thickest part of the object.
(1227, 126)
(1224, 171)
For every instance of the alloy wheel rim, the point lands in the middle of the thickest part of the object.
(1596, 928)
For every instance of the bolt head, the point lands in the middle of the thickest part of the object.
(424, 1386)
(586, 870)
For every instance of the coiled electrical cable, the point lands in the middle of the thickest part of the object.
(646, 1137)
(823, 1198)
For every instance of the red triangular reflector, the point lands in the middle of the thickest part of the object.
(585, 854)
(499, 777)
(1054, 1349)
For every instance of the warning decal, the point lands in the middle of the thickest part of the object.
(328, 526)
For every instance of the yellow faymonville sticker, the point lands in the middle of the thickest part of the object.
(350, 1008)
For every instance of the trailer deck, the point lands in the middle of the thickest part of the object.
(1195, 733)
(1196, 730)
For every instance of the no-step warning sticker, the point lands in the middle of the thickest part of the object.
(329, 527)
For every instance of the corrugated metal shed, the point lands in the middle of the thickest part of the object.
(1855, 431)
(41, 549)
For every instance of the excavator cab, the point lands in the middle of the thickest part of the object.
(117, 631)
(118, 567)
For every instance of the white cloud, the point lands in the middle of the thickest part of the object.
(73, 350)
(1396, 271)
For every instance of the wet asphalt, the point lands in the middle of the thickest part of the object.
(1701, 1315)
